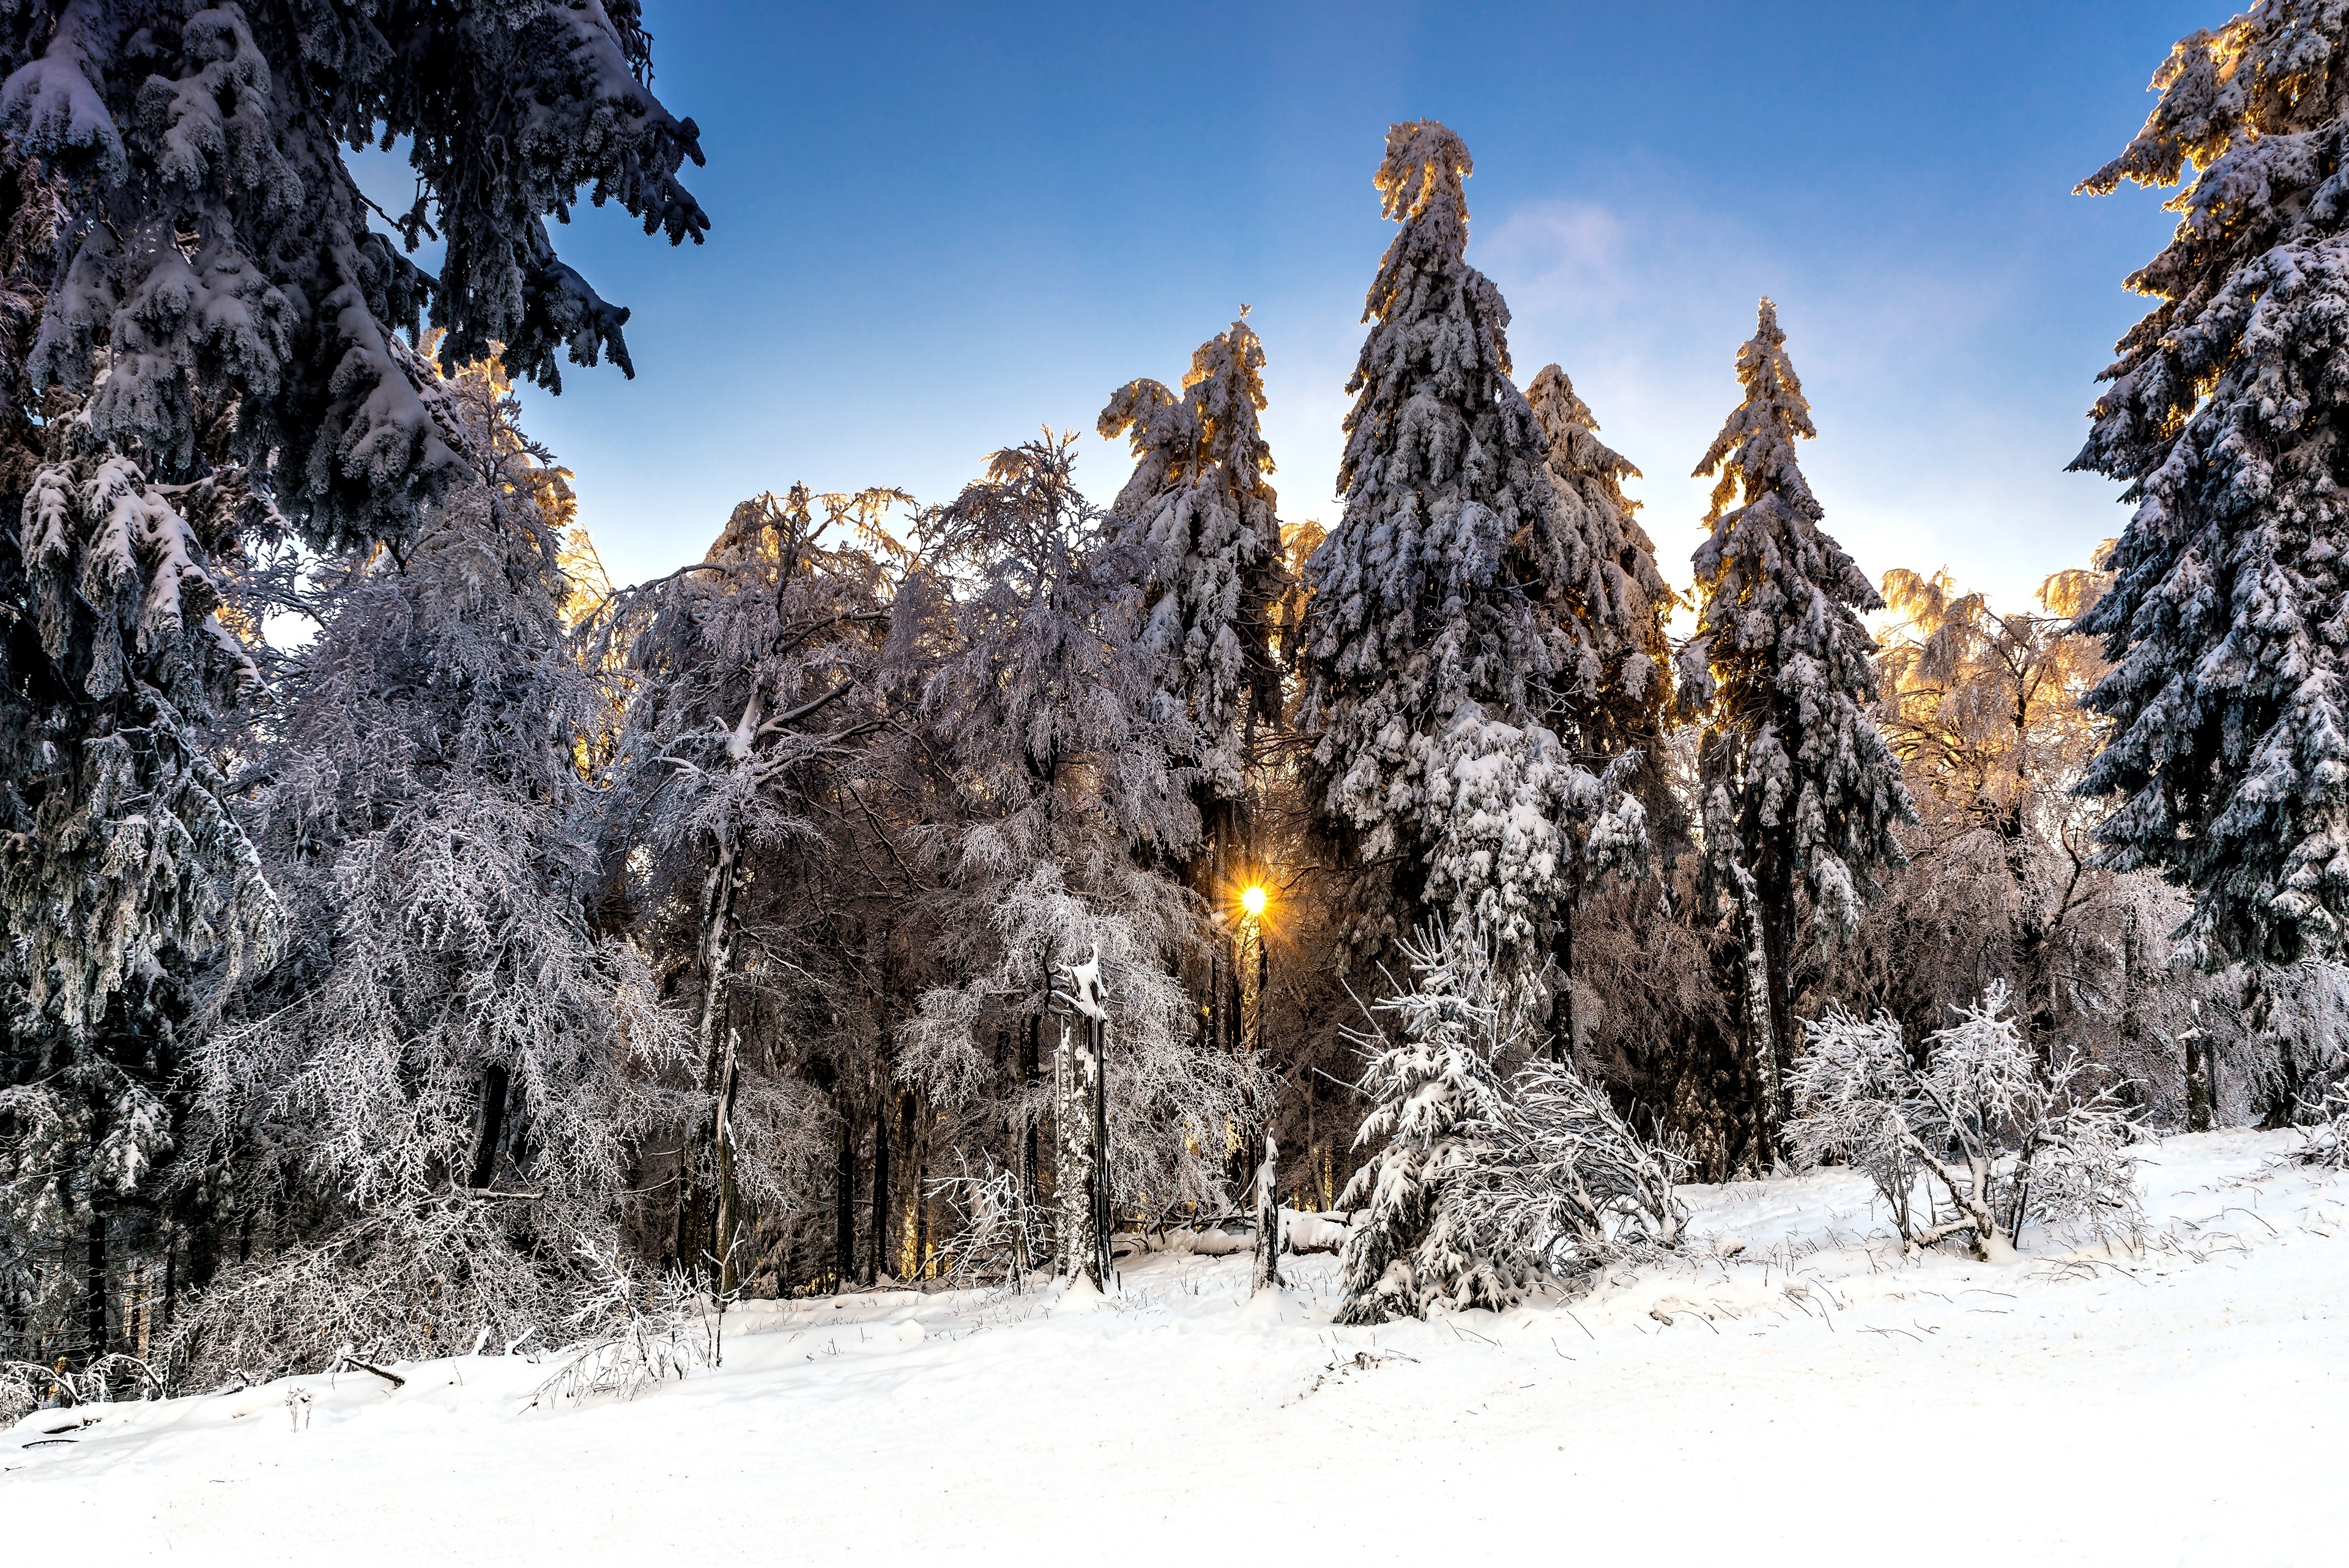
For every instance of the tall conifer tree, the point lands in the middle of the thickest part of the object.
(1612, 692)
(1201, 519)
(2230, 748)
(1612, 689)
(1197, 526)
(1802, 791)
(1424, 645)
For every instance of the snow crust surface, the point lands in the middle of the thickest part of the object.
(1794, 1391)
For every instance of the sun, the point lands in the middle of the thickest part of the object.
(1253, 900)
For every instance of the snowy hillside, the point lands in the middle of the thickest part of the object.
(1796, 1392)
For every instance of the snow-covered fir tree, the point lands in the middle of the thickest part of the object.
(1802, 791)
(1436, 1108)
(1198, 523)
(1611, 688)
(2228, 760)
(1200, 517)
(130, 895)
(1424, 645)
(1611, 694)
(436, 1093)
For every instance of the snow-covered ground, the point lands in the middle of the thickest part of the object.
(1816, 1398)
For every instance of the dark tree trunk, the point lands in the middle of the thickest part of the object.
(875, 1262)
(2197, 1082)
(908, 1130)
(919, 1144)
(170, 1272)
(1562, 1037)
(844, 1214)
(1778, 936)
(2259, 1024)
(1031, 1069)
(2035, 1009)
(94, 1286)
(494, 1083)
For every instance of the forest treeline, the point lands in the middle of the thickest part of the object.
(413, 940)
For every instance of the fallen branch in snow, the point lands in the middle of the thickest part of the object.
(350, 1360)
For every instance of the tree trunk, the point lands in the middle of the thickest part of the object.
(1030, 1072)
(2034, 985)
(844, 1211)
(697, 1223)
(170, 1272)
(94, 1286)
(1563, 1037)
(905, 1243)
(875, 1262)
(1267, 1219)
(1105, 1217)
(494, 1083)
(1778, 938)
(728, 1220)
(1759, 1020)
(1075, 1201)
(2259, 1021)
(2197, 1081)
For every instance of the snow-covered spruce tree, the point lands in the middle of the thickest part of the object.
(1424, 645)
(1198, 522)
(1436, 1105)
(129, 898)
(2229, 755)
(1611, 689)
(1997, 1138)
(218, 253)
(1801, 791)
(1611, 695)
(1199, 518)
(752, 676)
(434, 1096)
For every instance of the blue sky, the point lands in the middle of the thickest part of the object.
(936, 227)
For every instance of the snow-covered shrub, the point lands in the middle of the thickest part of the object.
(636, 1332)
(998, 1236)
(26, 1386)
(1984, 1141)
(1570, 1181)
(2326, 1139)
(1436, 1109)
(392, 1284)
